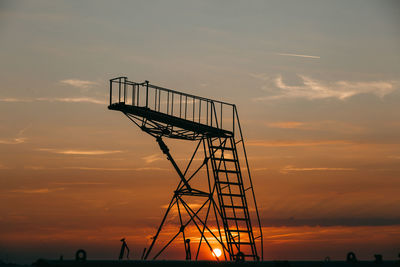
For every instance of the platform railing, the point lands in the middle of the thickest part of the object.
(189, 107)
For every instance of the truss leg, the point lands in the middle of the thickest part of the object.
(165, 150)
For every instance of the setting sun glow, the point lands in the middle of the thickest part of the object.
(217, 252)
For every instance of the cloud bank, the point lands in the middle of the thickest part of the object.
(82, 84)
(314, 89)
(80, 152)
(54, 99)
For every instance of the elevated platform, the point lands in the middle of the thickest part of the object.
(171, 126)
(165, 112)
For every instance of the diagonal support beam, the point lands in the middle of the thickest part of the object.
(165, 150)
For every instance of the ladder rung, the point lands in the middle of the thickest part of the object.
(236, 219)
(227, 171)
(233, 207)
(231, 195)
(222, 147)
(240, 243)
(230, 183)
(239, 231)
(225, 159)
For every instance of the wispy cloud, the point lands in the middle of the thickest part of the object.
(82, 84)
(116, 169)
(80, 152)
(37, 191)
(296, 55)
(313, 89)
(85, 168)
(13, 141)
(73, 100)
(260, 169)
(19, 139)
(331, 126)
(286, 124)
(35, 168)
(263, 143)
(80, 183)
(15, 100)
(290, 168)
(152, 158)
(54, 99)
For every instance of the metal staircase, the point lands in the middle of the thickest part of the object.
(229, 193)
(232, 198)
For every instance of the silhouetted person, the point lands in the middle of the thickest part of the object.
(123, 247)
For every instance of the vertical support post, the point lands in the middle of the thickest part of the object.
(199, 110)
(119, 90)
(180, 105)
(221, 116)
(147, 93)
(133, 94)
(194, 103)
(185, 106)
(137, 99)
(155, 98)
(167, 102)
(172, 103)
(124, 79)
(110, 92)
(207, 113)
(159, 100)
(211, 114)
(233, 120)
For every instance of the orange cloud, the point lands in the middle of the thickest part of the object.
(263, 143)
(37, 191)
(331, 126)
(55, 99)
(286, 124)
(80, 152)
(289, 168)
(82, 84)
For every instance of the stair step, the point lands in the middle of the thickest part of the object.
(231, 195)
(222, 148)
(239, 231)
(233, 207)
(236, 219)
(240, 243)
(228, 171)
(230, 183)
(225, 159)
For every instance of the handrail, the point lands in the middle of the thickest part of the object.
(190, 107)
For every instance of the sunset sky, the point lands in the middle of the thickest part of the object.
(316, 84)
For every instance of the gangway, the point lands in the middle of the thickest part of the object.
(229, 195)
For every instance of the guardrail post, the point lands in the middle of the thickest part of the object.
(110, 92)
(147, 93)
(124, 89)
(119, 90)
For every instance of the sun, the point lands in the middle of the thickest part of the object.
(217, 252)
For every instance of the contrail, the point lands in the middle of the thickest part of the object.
(297, 55)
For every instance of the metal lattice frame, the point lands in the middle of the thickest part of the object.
(146, 108)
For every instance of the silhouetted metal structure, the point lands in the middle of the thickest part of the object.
(227, 198)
